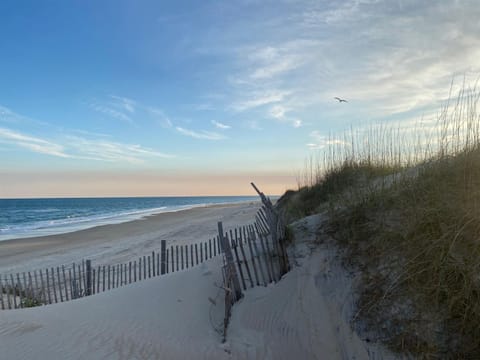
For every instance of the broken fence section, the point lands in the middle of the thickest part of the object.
(254, 255)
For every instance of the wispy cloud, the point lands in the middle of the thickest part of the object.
(260, 99)
(125, 103)
(102, 150)
(202, 134)
(389, 58)
(278, 112)
(160, 117)
(7, 115)
(253, 125)
(116, 114)
(32, 143)
(321, 141)
(269, 62)
(220, 125)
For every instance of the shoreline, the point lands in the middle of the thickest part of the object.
(123, 241)
(112, 219)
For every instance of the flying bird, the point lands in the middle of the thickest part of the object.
(340, 100)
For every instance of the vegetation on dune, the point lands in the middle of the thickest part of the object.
(406, 211)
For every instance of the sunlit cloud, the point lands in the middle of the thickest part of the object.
(202, 134)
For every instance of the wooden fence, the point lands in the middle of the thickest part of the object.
(65, 283)
(254, 255)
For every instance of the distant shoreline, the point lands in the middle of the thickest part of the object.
(117, 217)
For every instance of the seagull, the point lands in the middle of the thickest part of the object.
(340, 100)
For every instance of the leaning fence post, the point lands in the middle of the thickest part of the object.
(88, 291)
(229, 259)
(163, 247)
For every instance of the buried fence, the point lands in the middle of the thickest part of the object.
(65, 283)
(253, 255)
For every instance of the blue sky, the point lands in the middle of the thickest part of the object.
(106, 98)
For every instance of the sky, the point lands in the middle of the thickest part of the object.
(160, 98)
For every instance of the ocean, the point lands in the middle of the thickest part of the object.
(38, 217)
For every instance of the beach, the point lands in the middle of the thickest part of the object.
(180, 315)
(116, 243)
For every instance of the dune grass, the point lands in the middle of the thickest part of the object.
(405, 206)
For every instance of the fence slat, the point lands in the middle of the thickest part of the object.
(230, 264)
(135, 271)
(72, 295)
(167, 262)
(80, 278)
(109, 284)
(259, 258)
(99, 270)
(176, 257)
(191, 255)
(144, 267)
(59, 281)
(149, 267)
(245, 258)
(48, 286)
(139, 268)
(164, 256)
(158, 264)
(19, 286)
(239, 264)
(35, 278)
(25, 286)
(181, 257)
(65, 284)
(153, 264)
(84, 277)
(88, 265)
(196, 253)
(129, 272)
(14, 291)
(273, 259)
(252, 255)
(7, 288)
(121, 275)
(1, 293)
(30, 286)
(265, 256)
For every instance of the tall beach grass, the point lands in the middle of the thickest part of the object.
(404, 203)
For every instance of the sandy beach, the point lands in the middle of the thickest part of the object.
(111, 244)
(180, 315)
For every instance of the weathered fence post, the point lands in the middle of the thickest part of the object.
(163, 260)
(88, 290)
(229, 259)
